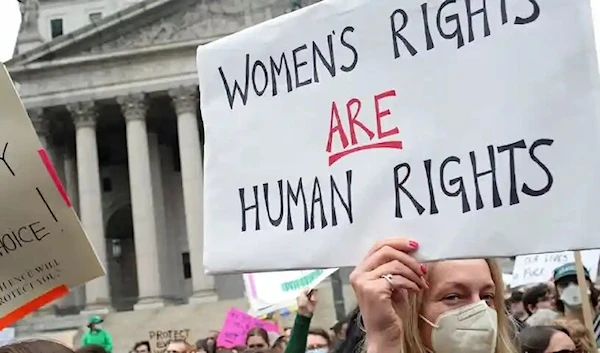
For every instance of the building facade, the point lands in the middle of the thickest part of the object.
(112, 89)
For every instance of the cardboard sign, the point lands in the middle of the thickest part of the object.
(236, 326)
(538, 268)
(468, 129)
(43, 248)
(272, 291)
(159, 339)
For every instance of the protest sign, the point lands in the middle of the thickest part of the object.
(464, 125)
(159, 339)
(43, 248)
(540, 267)
(236, 326)
(271, 291)
(7, 335)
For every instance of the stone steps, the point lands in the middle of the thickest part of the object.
(192, 320)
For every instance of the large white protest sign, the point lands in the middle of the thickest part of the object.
(540, 267)
(43, 248)
(468, 129)
(271, 291)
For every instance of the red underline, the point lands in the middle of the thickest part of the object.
(397, 145)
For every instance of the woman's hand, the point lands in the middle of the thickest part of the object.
(376, 295)
(307, 303)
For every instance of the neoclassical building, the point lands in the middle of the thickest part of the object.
(111, 87)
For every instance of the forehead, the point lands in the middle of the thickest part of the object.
(176, 346)
(467, 273)
(315, 340)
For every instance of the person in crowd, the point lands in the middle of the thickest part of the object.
(538, 302)
(518, 315)
(91, 348)
(546, 339)
(300, 337)
(569, 301)
(96, 335)
(35, 346)
(280, 344)
(257, 338)
(354, 334)
(141, 347)
(211, 342)
(445, 307)
(515, 306)
(287, 331)
(338, 332)
(579, 334)
(201, 346)
(179, 346)
(318, 341)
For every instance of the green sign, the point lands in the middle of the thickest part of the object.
(301, 282)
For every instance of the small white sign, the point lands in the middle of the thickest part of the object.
(538, 268)
(468, 129)
(271, 291)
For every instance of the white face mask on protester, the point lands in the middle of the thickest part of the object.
(468, 329)
(571, 297)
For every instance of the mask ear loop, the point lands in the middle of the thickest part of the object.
(428, 322)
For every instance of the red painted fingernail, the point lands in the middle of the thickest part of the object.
(424, 269)
(413, 244)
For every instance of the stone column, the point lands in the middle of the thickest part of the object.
(77, 295)
(142, 203)
(40, 124)
(58, 160)
(90, 197)
(172, 224)
(71, 182)
(186, 103)
(168, 284)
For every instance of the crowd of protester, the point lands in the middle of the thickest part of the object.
(453, 306)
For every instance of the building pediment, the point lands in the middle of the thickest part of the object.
(149, 47)
(152, 23)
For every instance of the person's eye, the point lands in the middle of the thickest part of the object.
(488, 296)
(452, 297)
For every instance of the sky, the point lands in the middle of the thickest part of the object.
(10, 20)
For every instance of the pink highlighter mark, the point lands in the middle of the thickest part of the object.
(252, 285)
(55, 178)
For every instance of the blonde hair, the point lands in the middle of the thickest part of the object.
(409, 313)
(579, 334)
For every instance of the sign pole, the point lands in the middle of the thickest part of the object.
(585, 298)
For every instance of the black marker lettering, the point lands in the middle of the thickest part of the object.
(526, 189)
(347, 45)
(399, 186)
(298, 63)
(397, 36)
(3, 159)
(236, 87)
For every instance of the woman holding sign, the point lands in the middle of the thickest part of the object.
(443, 307)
